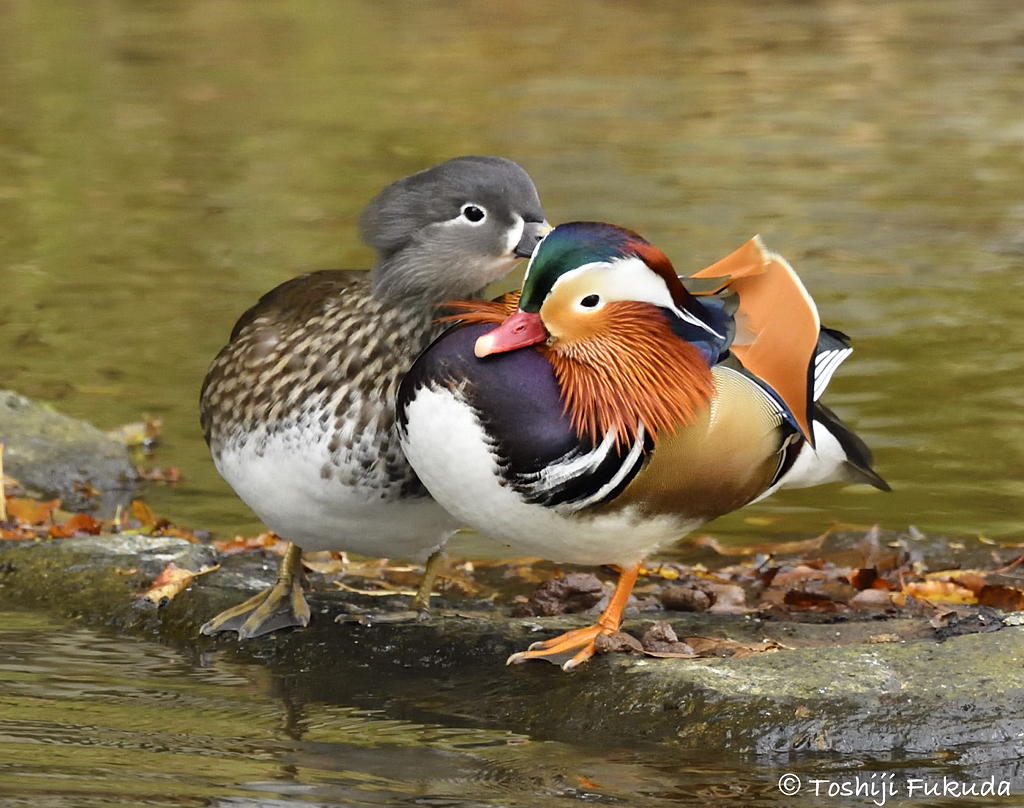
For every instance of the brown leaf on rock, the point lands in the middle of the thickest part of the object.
(325, 562)
(797, 575)
(1007, 598)
(242, 544)
(867, 578)
(30, 511)
(721, 647)
(171, 581)
(968, 579)
(769, 548)
(170, 475)
(801, 599)
(141, 512)
(941, 591)
(79, 523)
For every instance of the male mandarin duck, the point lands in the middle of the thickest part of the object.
(298, 407)
(614, 411)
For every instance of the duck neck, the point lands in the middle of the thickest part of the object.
(421, 279)
(637, 374)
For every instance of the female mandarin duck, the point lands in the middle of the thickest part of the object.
(298, 407)
(615, 411)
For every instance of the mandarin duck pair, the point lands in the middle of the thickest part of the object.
(602, 413)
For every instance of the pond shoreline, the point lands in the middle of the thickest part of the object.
(853, 696)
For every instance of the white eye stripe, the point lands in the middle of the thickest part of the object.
(630, 279)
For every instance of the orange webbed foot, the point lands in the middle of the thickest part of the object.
(579, 643)
(567, 650)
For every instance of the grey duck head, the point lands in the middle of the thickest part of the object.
(450, 230)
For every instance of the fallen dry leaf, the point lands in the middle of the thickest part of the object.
(325, 562)
(1007, 598)
(170, 475)
(171, 581)
(144, 514)
(720, 647)
(941, 591)
(801, 599)
(79, 523)
(241, 544)
(799, 574)
(379, 593)
(138, 433)
(770, 548)
(31, 511)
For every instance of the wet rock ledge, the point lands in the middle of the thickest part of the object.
(57, 456)
(843, 683)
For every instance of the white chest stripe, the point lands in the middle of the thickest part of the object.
(570, 466)
(627, 466)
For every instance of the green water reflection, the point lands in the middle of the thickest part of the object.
(163, 164)
(90, 720)
(87, 720)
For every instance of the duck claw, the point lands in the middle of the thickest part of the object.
(568, 650)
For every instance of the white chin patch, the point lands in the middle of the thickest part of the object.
(515, 233)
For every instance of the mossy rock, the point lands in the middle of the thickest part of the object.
(63, 457)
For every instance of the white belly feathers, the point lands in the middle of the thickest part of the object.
(450, 451)
(285, 484)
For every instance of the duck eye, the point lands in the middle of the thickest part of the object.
(590, 301)
(473, 213)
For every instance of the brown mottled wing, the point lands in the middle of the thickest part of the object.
(300, 298)
(777, 322)
(237, 377)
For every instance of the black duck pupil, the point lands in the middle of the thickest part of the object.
(590, 301)
(473, 213)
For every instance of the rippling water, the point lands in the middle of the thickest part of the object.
(88, 720)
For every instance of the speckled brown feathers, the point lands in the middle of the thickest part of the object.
(320, 353)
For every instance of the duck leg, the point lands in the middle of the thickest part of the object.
(421, 601)
(281, 606)
(419, 605)
(578, 644)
